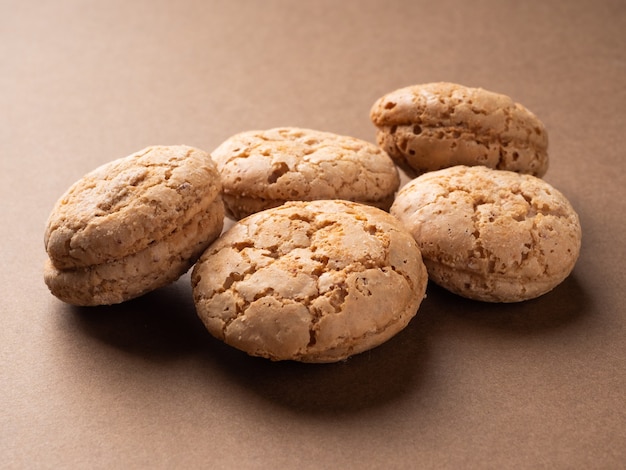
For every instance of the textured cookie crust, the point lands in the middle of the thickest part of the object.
(123, 206)
(263, 169)
(438, 125)
(136, 274)
(491, 235)
(310, 281)
(133, 225)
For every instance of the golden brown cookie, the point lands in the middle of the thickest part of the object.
(263, 169)
(132, 225)
(310, 281)
(490, 235)
(438, 125)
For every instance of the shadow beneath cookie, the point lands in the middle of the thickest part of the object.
(368, 380)
(163, 326)
(400, 367)
(564, 305)
(160, 325)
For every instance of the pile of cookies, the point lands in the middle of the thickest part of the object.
(328, 256)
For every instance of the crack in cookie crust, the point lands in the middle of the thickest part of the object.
(310, 281)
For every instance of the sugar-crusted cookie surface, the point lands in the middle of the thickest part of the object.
(310, 281)
(125, 205)
(135, 274)
(437, 125)
(132, 225)
(265, 168)
(491, 235)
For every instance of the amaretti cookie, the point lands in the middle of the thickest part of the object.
(311, 281)
(266, 168)
(132, 225)
(438, 125)
(491, 235)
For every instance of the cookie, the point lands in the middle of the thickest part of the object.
(264, 169)
(490, 235)
(314, 281)
(132, 225)
(438, 125)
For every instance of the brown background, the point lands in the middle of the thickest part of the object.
(467, 385)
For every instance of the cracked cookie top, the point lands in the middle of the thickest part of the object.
(128, 204)
(437, 125)
(310, 281)
(265, 168)
(489, 234)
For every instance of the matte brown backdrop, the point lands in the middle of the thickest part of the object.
(466, 385)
